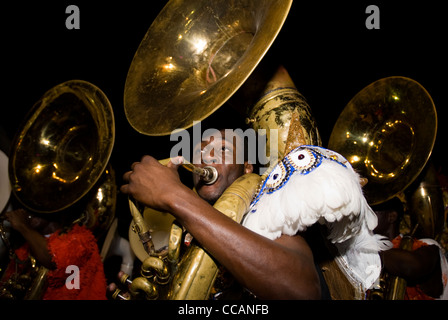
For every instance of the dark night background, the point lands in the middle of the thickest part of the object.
(324, 45)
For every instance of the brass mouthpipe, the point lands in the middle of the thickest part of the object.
(197, 270)
(208, 174)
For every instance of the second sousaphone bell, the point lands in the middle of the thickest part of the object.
(387, 132)
(63, 147)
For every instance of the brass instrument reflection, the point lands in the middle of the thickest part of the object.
(194, 57)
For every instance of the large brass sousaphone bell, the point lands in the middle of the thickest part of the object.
(194, 57)
(387, 132)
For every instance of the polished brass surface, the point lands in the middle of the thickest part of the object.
(174, 243)
(387, 133)
(285, 115)
(195, 276)
(141, 285)
(236, 199)
(63, 147)
(194, 57)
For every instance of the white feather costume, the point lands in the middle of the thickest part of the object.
(313, 184)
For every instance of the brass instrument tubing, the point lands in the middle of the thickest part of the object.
(142, 285)
(156, 265)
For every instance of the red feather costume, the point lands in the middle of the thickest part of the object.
(77, 247)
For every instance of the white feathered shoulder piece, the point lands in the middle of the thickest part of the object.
(313, 184)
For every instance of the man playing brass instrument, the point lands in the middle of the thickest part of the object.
(270, 269)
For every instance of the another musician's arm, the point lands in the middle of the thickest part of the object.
(421, 266)
(411, 265)
(36, 241)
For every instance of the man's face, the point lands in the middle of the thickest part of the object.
(220, 153)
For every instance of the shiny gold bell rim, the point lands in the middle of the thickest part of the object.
(168, 85)
(387, 132)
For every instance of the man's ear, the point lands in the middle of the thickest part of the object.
(248, 167)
